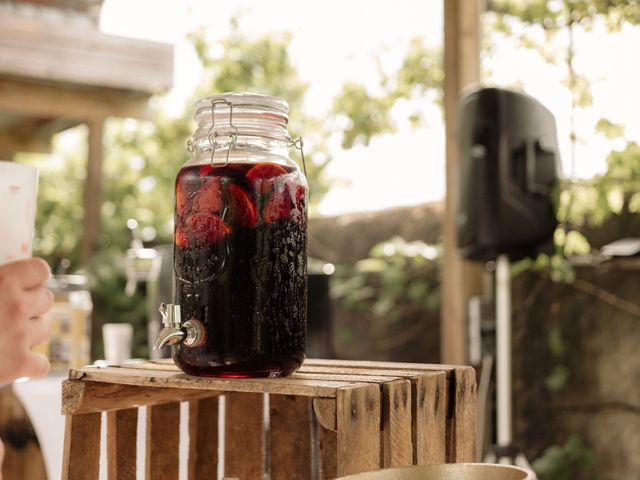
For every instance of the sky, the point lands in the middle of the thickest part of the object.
(334, 41)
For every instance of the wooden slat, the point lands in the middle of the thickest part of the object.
(430, 397)
(203, 439)
(42, 100)
(370, 364)
(342, 377)
(462, 441)
(172, 379)
(244, 435)
(80, 397)
(358, 421)
(81, 456)
(319, 365)
(290, 437)
(328, 453)
(122, 428)
(163, 440)
(397, 449)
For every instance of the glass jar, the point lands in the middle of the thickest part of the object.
(69, 345)
(240, 242)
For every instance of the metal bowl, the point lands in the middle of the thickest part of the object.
(452, 471)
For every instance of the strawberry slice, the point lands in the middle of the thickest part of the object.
(264, 171)
(181, 238)
(243, 210)
(206, 228)
(209, 197)
(278, 207)
(206, 170)
(263, 177)
(182, 199)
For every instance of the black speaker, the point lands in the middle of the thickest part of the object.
(508, 170)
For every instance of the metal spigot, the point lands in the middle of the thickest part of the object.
(191, 333)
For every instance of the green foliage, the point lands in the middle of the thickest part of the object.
(553, 15)
(608, 194)
(558, 378)
(110, 302)
(60, 199)
(571, 461)
(369, 114)
(397, 277)
(609, 129)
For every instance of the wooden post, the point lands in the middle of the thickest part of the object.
(93, 191)
(461, 279)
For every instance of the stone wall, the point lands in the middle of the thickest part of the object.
(597, 318)
(596, 330)
(346, 239)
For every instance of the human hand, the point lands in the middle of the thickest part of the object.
(22, 299)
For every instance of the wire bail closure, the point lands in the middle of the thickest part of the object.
(298, 144)
(213, 134)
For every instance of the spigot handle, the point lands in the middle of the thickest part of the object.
(171, 316)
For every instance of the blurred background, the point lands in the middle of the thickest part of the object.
(99, 96)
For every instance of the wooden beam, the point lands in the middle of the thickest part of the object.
(82, 55)
(22, 144)
(33, 134)
(461, 279)
(93, 191)
(25, 97)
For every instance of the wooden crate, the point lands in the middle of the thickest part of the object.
(330, 418)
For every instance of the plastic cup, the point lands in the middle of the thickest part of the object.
(18, 188)
(117, 339)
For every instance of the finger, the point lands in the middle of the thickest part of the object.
(39, 331)
(35, 365)
(27, 274)
(40, 300)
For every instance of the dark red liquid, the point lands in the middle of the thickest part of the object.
(240, 263)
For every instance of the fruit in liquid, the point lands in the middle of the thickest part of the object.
(240, 264)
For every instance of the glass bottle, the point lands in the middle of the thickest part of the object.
(240, 242)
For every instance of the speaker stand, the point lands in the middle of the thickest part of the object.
(504, 451)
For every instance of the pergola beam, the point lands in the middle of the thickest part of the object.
(56, 100)
(461, 279)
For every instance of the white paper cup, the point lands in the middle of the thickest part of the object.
(18, 187)
(117, 339)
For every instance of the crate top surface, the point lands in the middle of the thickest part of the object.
(316, 378)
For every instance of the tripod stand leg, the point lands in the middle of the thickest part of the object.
(503, 353)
